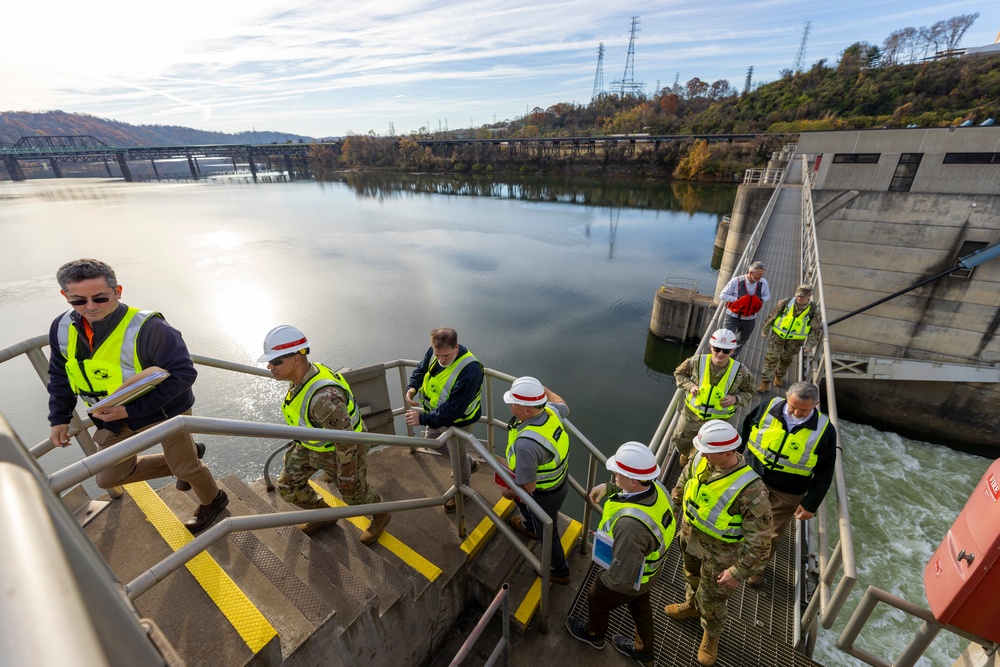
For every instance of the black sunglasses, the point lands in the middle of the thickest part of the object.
(277, 361)
(83, 302)
(717, 349)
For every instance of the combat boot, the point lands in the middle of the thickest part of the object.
(708, 652)
(313, 526)
(778, 379)
(378, 524)
(764, 385)
(679, 612)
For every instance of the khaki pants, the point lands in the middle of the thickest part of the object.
(179, 458)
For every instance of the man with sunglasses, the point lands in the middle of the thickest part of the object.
(318, 397)
(714, 385)
(99, 344)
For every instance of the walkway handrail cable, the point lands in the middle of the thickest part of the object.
(830, 601)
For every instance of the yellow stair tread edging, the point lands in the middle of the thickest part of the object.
(529, 605)
(476, 540)
(245, 618)
(405, 553)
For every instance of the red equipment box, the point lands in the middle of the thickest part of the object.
(961, 582)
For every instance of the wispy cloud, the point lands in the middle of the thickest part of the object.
(313, 68)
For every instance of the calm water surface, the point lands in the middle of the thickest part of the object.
(552, 278)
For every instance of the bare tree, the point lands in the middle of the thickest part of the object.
(892, 48)
(955, 27)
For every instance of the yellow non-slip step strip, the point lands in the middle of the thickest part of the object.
(477, 538)
(248, 621)
(405, 553)
(531, 601)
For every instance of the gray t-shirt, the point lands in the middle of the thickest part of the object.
(529, 454)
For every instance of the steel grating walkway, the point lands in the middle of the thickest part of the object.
(760, 624)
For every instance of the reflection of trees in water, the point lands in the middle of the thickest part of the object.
(615, 193)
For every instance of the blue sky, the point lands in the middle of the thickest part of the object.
(325, 68)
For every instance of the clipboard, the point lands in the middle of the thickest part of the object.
(139, 384)
(603, 546)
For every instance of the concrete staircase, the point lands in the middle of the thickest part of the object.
(278, 597)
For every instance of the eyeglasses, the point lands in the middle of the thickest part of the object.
(277, 361)
(83, 302)
(720, 351)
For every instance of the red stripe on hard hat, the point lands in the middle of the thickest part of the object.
(285, 346)
(723, 444)
(527, 398)
(636, 471)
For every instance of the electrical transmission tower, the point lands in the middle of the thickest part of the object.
(800, 59)
(599, 76)
(746, 86)
(628, 84)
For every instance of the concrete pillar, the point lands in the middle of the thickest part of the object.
(253, 167)
(107, 168)
(235, 168)
(305, 165)
(193, 167)
(13, 168)
(751, 200)
(680, 313)
(288, 166)
(55, 168)
(123, 165)
(155, 170)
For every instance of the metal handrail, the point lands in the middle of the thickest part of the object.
(830, 601)
(503, 646)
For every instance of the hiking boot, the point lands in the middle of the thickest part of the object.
(626, 647)
(205, 515)
(475, 465)
(562, 581)
(517, 523)
(756, 581)
(578, 629)
(764, 385)
(679, 612)
(378, 524)
(313, 526)
(778, 379)
(449, 505)
(708, 652)
(181, 485)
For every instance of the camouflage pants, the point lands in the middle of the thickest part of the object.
(346, 467)
(703, 592)
(687, 427)
(780, 353)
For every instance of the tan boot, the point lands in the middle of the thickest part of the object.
(708, 652)
(777, 380)
(313, 526)
(764, 385)
(378, 524)
(679, 612)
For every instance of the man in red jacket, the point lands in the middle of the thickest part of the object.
(744, 296)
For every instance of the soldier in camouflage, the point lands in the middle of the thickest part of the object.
(689, 377)
(319, 398)
(794, 324)
(724, 540)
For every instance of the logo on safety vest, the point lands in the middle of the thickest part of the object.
(102, 374)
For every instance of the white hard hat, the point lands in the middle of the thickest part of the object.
(525, 391)
(724, 339)
(282, 340)
(717, 436)
(634, 460)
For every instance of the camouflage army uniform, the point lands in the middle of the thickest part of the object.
(346, 467)
(686, 376)
(705, 557)
(781, 352)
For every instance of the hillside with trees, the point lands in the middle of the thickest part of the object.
(17, 124)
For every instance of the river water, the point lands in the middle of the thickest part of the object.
(546, 277)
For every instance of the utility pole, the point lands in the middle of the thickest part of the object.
(746, 86)
(800, 59)
(628, 82)
(599, 75)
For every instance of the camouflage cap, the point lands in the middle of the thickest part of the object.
(804, 290)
